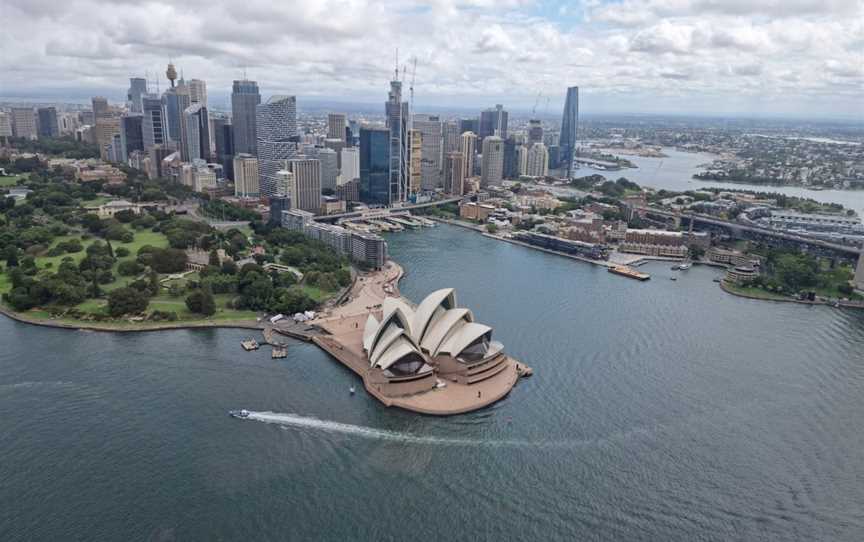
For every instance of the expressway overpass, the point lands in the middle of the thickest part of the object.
(359, 214)
(737, 230)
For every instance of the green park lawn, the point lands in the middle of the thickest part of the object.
(12, 180)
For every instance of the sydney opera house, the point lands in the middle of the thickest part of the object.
(432, 357)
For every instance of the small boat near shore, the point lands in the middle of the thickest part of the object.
(249, 345)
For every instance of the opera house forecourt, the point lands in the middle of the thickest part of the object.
(432, 358)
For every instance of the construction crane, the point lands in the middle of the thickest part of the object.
(536, 101)
(411, 87)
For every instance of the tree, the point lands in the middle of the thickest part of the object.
(129, 268)
(492, 228)
(167, 260)
(201, 302)
(127, 301)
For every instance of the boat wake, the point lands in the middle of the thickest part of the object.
(294, 420)
(308, 422)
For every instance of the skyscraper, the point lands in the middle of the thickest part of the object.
(493, 122)
(131, 135)
(223, 140)
(196, 138)
(450, 137)
(469, 125)
(397, 123)
(5, 125)
(137, 89)
(454, 173)
(100, 107)
(336, 123)
(511, 161)
(197, 91)
(153, 125)
(430, 127)
(538, 161)
(24, 122)
(246, 176)
(176, 99)
(106, 128)
(535, 131)
(276, 139)
(350, 165)
(307, 184)
(329, 167)
(244, 99)
(375, 165)
(48, 125)
(569, 130)
(469, 149)
(415, 161)
(492, 166)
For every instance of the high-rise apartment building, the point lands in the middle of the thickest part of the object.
(24, 123)
(48, 124)
(375, 166)
(454, 173)
(197, 92)
(336, 123)
(246, 176)
(244, 101)
(469, 149)
(493, 122)
(153, 125)
(307, 184)
(492, 166)
(521, 160)
(397, 123)
(538, 161)
(196, 137)
(285, 187)
(569, 131)
(430, 127)
(350, 165)
(137, 90)
(276, 135)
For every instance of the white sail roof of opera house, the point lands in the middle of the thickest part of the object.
(436, 326)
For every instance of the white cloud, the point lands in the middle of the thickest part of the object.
(469, 51)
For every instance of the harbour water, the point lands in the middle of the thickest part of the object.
(658, 411)
(675, 172)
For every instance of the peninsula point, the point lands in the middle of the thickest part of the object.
(432, 358)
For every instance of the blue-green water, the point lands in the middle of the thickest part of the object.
(658, 411)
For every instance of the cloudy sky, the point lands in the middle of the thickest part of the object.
(753, 57)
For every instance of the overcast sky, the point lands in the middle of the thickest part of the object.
(757, 57)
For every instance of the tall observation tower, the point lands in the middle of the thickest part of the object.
(171, 74)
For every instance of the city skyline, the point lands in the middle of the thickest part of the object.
(696, 57)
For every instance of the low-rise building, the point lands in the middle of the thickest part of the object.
(655, 243)
(593, 251)
(475, 211)
(732, 257)
(364, 248)
(740, 274)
